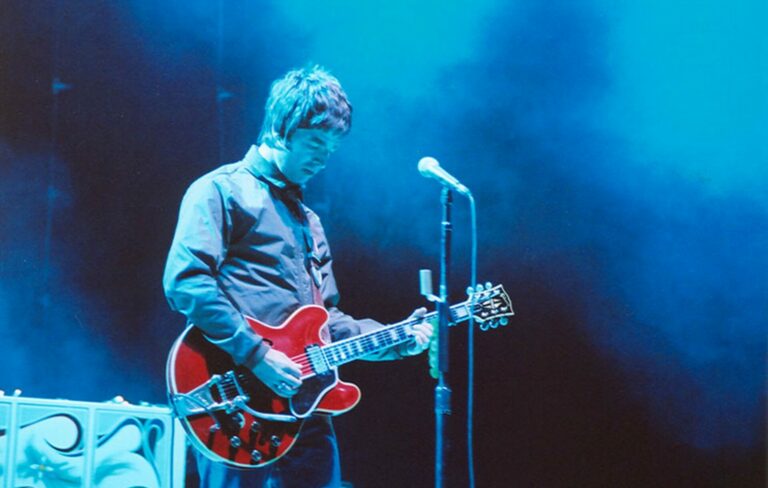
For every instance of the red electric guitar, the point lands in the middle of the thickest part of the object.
(233, 418)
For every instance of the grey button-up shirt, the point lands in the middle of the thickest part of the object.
(245, 244)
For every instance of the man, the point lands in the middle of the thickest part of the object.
(246, 244)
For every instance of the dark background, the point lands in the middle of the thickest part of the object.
(618, 158)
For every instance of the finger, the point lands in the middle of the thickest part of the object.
(284, 389)
(415, 348)
(286, 366)
(418, 313)
(292, 369)
(291, 382)
(420, 337)
(417, 344)
(284, 393)
(424, 329)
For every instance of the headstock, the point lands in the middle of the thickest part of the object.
(490, 305)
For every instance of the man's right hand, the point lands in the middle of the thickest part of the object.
(279, 373)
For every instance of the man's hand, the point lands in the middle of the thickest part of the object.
(279, 373)
(422, 333)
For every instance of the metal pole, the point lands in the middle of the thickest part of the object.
(443, 390)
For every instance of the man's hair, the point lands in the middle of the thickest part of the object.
(306, 98)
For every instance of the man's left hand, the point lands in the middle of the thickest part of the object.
(422, 333)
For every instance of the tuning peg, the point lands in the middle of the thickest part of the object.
(470, 291)
(484, 326)
(480, 288)
(488, 285)
(504, 321)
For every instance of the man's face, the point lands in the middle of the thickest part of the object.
(308, 151)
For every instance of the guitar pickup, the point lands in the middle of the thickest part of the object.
(317, 359)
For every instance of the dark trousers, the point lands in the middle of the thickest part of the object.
(312, 462)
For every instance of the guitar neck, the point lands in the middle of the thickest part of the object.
(357, 347)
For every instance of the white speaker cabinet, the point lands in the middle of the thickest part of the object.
(61, 443)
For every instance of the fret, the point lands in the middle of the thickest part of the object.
(459, 312)
(405, 332)
(353, 348)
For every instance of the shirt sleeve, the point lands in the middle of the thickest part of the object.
(341, 325)
(191, 281)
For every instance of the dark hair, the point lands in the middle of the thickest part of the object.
(306, 98)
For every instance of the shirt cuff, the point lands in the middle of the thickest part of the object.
(257, 355)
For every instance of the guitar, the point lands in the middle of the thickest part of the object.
(232, 417)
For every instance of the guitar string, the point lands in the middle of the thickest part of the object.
(346, 349)
(368, 343)
(384, 336)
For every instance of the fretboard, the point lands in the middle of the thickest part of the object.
(357, 347)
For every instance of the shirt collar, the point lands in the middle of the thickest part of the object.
(269, 172)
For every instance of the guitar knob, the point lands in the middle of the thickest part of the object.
(235, 441)
(255, 426)
(214, 428)
(275, 441)
(255, 456)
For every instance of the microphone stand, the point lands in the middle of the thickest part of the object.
(442, 389)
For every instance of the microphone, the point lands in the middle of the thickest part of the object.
(430, 168)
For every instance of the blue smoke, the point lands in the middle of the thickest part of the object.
(616, 151)
(56, 336)
(613, 142)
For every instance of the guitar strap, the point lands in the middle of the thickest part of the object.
(292, 197)
(312, 260)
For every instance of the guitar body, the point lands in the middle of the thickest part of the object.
(233, 418)
(230, 415)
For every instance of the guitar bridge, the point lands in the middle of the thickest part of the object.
(200, 400)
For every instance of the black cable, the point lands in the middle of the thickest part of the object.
(471, 346)
(56, 87)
